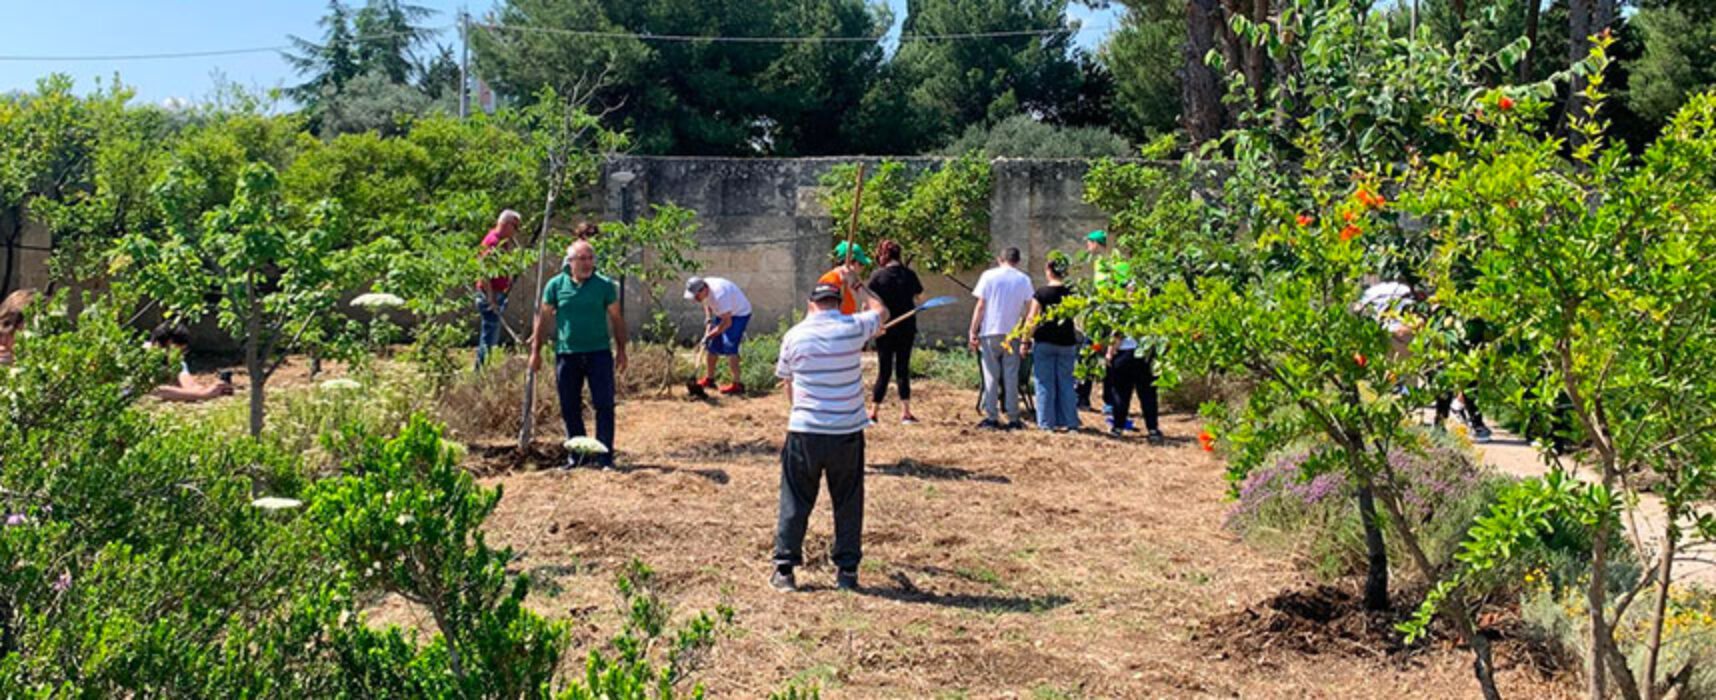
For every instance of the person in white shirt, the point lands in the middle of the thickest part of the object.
(1003, 294)
(822, 369)
(726, 313)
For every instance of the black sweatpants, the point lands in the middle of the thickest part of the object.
(805, 459)
(1129, 373)
(893, 357)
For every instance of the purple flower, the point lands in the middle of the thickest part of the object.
(63, 583)
(15, 519)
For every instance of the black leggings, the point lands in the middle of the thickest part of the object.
(893, 357)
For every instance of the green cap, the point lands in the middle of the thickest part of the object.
(1099, 235)
(857, 253)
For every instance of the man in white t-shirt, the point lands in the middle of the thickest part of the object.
(726, 313)
(1003, 294)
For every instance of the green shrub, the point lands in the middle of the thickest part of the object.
(952, 365)
(759, 354)
(1293, 502)
(406, 521)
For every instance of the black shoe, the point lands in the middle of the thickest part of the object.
(1155, 438)
(1014, 425)
(783, 581)
(846, 580)
(989, 424)
(1116, 433)
(1480, 434)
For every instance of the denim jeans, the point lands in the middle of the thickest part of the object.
(488, 333)
(1057, 397)
(571, 371)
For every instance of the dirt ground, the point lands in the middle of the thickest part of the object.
(1026, 565)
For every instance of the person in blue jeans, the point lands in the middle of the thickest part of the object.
(492, 291)
(1053, 346)
(583, 306)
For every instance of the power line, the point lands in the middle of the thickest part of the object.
(903, 38)
(587, 33)
(210, 52)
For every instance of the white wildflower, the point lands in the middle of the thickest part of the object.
(378, 300)
(341, 384)
(276, 503)
(586, 446)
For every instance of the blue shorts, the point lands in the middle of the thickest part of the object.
(728, 342)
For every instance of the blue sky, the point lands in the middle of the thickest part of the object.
(123, 27)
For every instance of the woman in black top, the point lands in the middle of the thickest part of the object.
(898, 288)
(1054, 349)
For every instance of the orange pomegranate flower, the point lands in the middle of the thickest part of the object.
(1305, 220)
(1505, 104)
(1348, 216)
(1360, 360)
(1350, 232)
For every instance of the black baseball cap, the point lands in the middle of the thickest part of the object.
(825, 292)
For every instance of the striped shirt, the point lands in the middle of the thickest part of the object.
(821, 357)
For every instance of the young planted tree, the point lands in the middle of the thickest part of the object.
(1264, 278)
(939, 217)
(1596, 270)
(267, 269)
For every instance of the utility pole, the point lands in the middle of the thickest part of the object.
(464, 63)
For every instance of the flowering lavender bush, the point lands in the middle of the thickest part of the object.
(1291, 503)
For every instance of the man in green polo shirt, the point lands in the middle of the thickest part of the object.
(583, 306)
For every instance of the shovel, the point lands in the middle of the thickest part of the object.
(691, 386)
(932, 303)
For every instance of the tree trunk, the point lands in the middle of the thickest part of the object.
(1670, 535)
(1460, 14)
(1578, 45)
(1533, 9)
(1256, 55)
(1376, 576)
(1483, 664)
(1200, 86)
(1598, 685)
(253, 362)
(1232, 57)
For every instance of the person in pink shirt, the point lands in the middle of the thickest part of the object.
(491, 292)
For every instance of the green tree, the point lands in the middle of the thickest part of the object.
(1679, 57)
(950, 85)
(695, 97)
(939, 216)
(372, 49)
(272, 267)
(1144, 57)
(1585, 262)
(1024, 136)
(328, 64)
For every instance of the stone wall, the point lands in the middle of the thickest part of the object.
(762, 225)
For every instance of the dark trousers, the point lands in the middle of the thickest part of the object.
(893, 357)
(1084, 387)
(1445, 403)
(805, 459)
(1128, 373)
(571, 371)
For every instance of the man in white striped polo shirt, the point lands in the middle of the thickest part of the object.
(820, 367)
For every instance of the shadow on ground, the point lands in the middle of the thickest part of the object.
(903, 590)
(919, 470)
